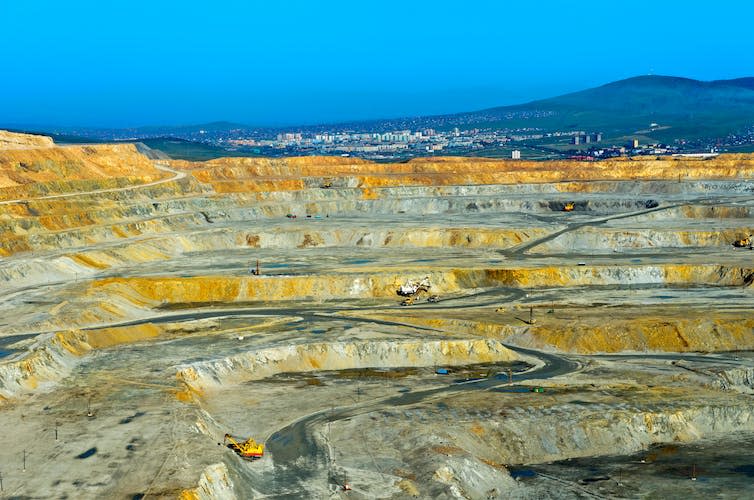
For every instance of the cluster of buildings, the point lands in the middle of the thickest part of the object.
(633, 148)
(389, 142)
(585, 138)
(350, 142)
(381, 141)
(401, 143)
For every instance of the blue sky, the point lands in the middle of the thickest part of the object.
(135, 62)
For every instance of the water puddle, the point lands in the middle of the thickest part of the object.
(518, 473)
(747, 470)
(278, 265)
(515, 389)
(358, 261)
(88, 453)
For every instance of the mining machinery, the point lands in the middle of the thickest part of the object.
(248, 450)
(744, 242)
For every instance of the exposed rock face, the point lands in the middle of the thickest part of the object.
(604, 240)
(128, 283)
(341, 356)
(208, 289)
(12, 140)
(52, 357)
(589, 333)
(214, 484)
(740, 379)
(41, 171)
(253, 174)
(468, 478)
(543, 439)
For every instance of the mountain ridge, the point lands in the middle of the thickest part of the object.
(687, 106)
(682, 107)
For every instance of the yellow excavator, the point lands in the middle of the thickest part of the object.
(568, 207)
(743, 243)
(248, 450)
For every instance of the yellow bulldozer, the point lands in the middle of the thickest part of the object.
(568, 207)
(248, 450)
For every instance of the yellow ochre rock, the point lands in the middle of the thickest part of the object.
(14, 140)
(264, 174)
(28, 173)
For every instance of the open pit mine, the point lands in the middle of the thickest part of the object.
(331, 327)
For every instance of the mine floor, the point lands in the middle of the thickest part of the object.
(605, 352)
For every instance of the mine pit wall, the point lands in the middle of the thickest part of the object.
(669, 274)
(735, 379)
(224, 476)
(70, 187)
(25, 273)
(215, 289)
(609, 240)
(470, 171)
(689, 333)
(426, 205)
(421, 237)
(622, 190)
(695, 212)
(50, 217)
(310, 357)
(16, 140)
(40, 224)
(224, 290)
(53, 356)
(679, 331)
(38, 172)
(541, 438)
(46, 363)
(156, 200)
(82, 208)
(199, 234)
(104, 234)
(119, 299)
(657, 189)
(167, 245)
(89, 225)
(214, 484)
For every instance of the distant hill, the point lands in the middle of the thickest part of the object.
(681, 106)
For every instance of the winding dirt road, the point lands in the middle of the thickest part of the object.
(176, 176)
